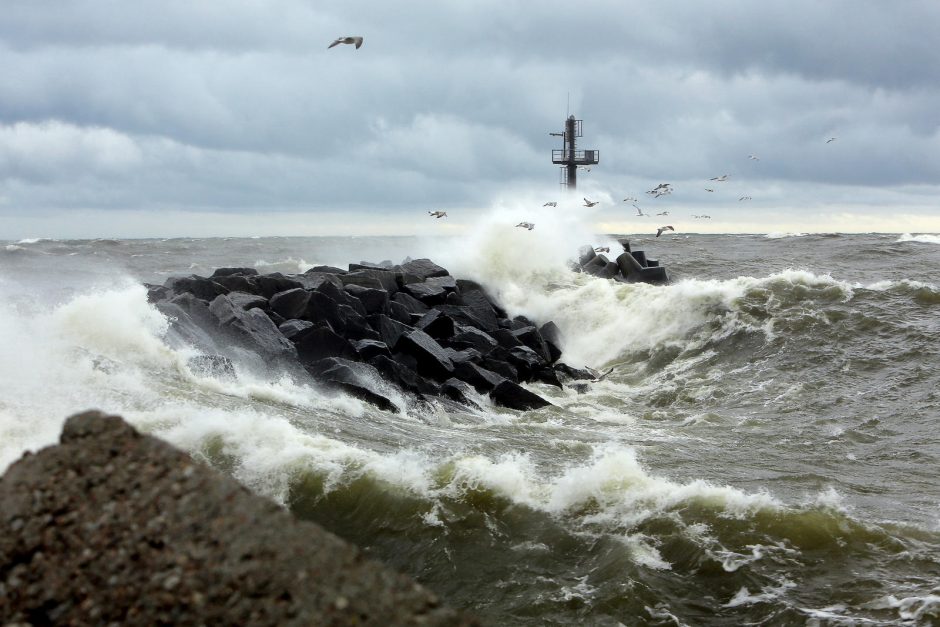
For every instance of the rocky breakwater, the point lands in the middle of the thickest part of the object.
(115, 527)
(376, 331)
(630, 266)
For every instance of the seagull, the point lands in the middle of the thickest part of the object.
(753, 157)
(723, 177)
(526, 225)
(599, 376)
(602, 249)
(709, 190)
(744, 198)
(589, 203)
(639, 212)
(663, 213)
(437, 214)
(346, 40)
(584, 167)
(660, 190)
(631, 199)
(831, 139)
(550, 204)
(660, 230)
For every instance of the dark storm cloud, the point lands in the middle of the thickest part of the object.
(240, 106)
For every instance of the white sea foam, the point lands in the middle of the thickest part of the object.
(287, 266)
(784, 235)
(925, 238)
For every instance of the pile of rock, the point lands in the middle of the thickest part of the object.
(374, 331)
(629, 266)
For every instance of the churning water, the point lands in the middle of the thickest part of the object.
(765, 451)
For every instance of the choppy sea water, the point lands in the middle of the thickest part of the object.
(765, 451)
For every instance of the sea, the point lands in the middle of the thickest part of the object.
(764, 451)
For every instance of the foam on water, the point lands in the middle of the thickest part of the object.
(925, 238)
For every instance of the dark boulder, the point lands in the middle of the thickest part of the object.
(235, 283)
(500, 367)
(248, 301)
(291, 328)
(480, 378)
(474, 337)
(596, 265)
(252, 328)
(547, 375)
(585, 255)
(220, 272)
(431, 358)
(319, 342)
(506, 338)
(325, 269)
(367, 349)
(340, 296)
(457, 390)
(292, 304)
(358, 379)
(423, 269)
(373, 300)
(399, 312)
(438, 325)
(531, 337)
(551, 334)
(574, 373)
(313, 280)
(389, 330)
(400, 374)
(268, 285)
(478, 306)
(514, 396)
(409, 302)
(200, 287)
(526, 361)
(447, 282)
(382, 279)
(427, 293)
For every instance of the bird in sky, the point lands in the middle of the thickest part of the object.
(662, 229)
(723, 177)
(663, 213)
(639, 212)
(437, 214)
(526, 225)
(584, 167)
(590, 203)
(346, 40)
(602, 249)
(831, 139)
(753, 157)
(631, 199)
(709, 190)
(660, 190)
(550, 204)
(744, 198)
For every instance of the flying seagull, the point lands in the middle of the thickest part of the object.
(663, 213)
(709, 190)
(550, 204)
(753, 157)
(831, 139)
(346, 40)
(584, 167)
(437, 214)
(723, 177)
(744, 198)
(660, 190)
(599, 376)
(589, 203)
(526, 225)
(660, 230)
(639, 212)
(631, 199)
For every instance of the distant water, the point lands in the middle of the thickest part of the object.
(766, 450)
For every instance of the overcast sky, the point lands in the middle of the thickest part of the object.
(231, 117)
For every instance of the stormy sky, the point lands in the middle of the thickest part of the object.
(231, 117)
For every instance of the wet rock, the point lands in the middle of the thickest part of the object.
(358, 379)
(551, 334)
(438, 325)
(426, 293)
(252, 328)
(431, 358)
(373, 300)
(514, 396)
(530, 336)
(405, 377)
(482, 379)
(410, 303)
(474, 337)
(290, 328)
(222, 272)
(248, 301)
(268, 285)
(319, 342)
(367, 349)
(200, 287)
(423, 269)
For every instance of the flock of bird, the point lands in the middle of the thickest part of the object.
(663, 189)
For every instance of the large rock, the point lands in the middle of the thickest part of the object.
(357, 379)
(115, 527)
(200, 287)
(268, 285)
(252, 328)
(373, 300)
(431, 357)
(319, 342)
(423, 269)
(514, 396)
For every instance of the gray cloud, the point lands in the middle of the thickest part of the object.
(240, 107)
